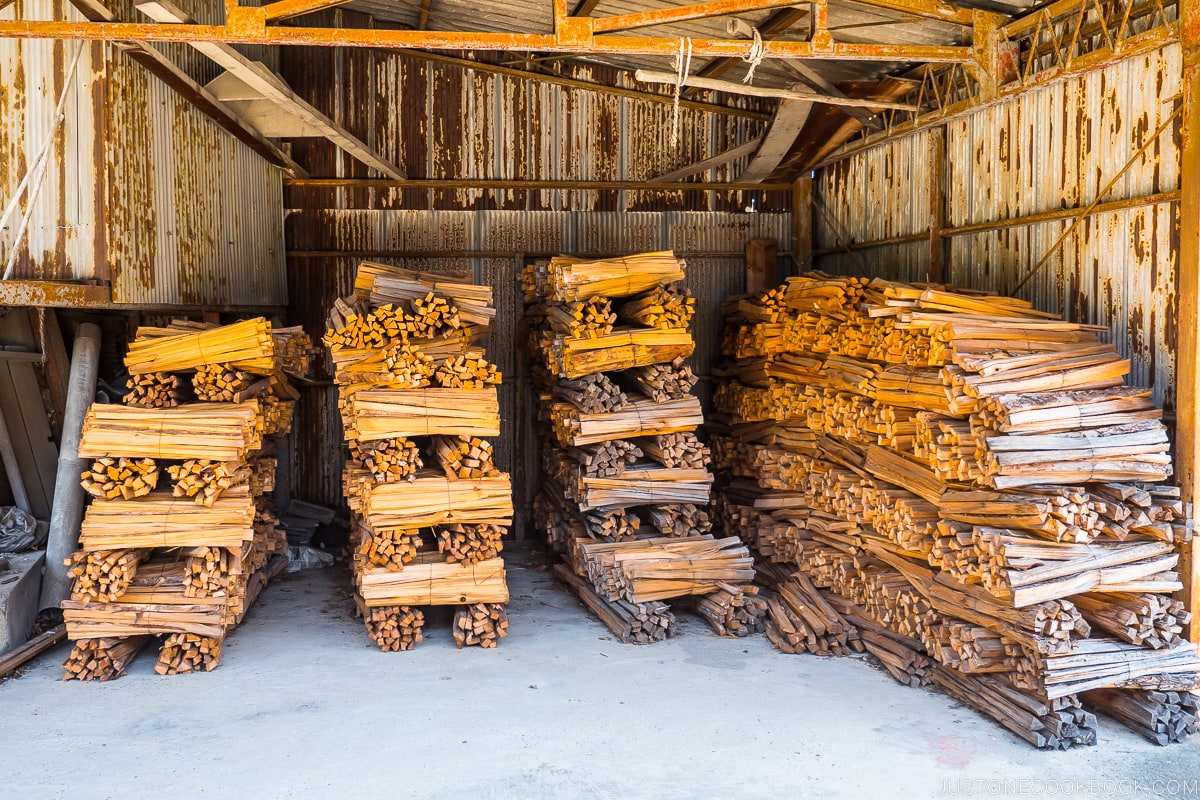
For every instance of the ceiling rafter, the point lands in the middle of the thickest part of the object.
(286, 9)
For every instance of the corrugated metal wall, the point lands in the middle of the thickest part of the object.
(1049, 148)
(711, 242)
(142, 188)
(62, 241)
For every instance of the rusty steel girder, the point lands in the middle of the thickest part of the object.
(243, 28)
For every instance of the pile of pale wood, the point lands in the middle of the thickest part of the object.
(418, 400)
(961, 486)
(183, 560)
(626, 479)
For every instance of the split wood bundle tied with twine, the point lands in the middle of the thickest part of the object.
(465, 458)
(102, 574)
(216, 431)
(581, 319)
(661, 308)
(205, 480)
(631, 623)
(390, 548)
(641, 417)
(734, 610)
(160, 520)
(220, 383)
(155, 390)
(388, 459)
(470, 544)
(480, 624)
(384, 284)
(570, 279)
(188, 652)
(591, 394)
(394, 628)
(432, 499)
(469, 371)
(386, 414)
(102, 659)
(246, 345)
(430, 580)
(127, 478)
(659, 569)
(624, 348)
(1162, 717)
(663, 382)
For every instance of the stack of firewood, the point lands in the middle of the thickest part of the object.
(184, 560)
(623, 465)
(419, 400)
(962, 486)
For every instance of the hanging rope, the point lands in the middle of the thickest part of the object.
(683, 66)
(757, 52)
(37, 172)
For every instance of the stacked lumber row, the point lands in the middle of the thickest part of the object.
(418, 400)
(180, 536)
(626, 480)
(967, 482)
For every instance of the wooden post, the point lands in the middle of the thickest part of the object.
(1187, 373)
(937, 205)
(802, 227)
(762, 265)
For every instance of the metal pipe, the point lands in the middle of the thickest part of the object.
(66, 512)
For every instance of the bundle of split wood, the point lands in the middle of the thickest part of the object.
(678, 519)
(383, 284)
(663, 382)
(220, 383)
(642, 417)
(677, 450)
(606, 459)
(430, 580)
(734, 610)
(388, 459)
(662, 568)
(102, 659)
(661, 308)
(624, 348)
(431, 499)
(470, 544)
(155, 390)
(161, 520)
(974, 435)
(293, 350)
(471, 371)
(102, 574)
(1162, 717)
(371, 414)
(394, 627)
(570, 279)
(580, 319)
(110, 478)
(390, 548)
(482, 624)
(632, 623)
(591, 394)
(800, 620)
(465, 457)
(613, 525)
(206, 480)
(187, 652)
(216, 431)
(643, 486)
(248, 345)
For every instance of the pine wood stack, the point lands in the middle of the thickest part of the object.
(102, 574)
(205, 480)
(614, 525)
(678, 519)
(101, 659)
(1162, 717)
(411, 378)
(220, 383)
(606, 459)
(661, 308)
(975, 479)
(155, 390)
(482, 624)
(570, 279)
(110, 478)
(641, 417)
(734, 611)
(677, 450)
(216, 431)
(580, 319)
(662, 568)
(591, 394)
(248, 345)
(663, 382)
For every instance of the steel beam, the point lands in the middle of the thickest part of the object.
(518, 185)
(246, 32)
(1187, 368)
(929, 9)
(668, 16)
(286, 9)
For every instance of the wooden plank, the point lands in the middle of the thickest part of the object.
(785, 127)
(723, 157)
(257, 76)
(286, 9)
(762, 272)
(56, 364)
(35, 646)
(651, 76)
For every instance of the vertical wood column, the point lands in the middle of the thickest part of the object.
(802, 224)
(762, 265)
(937, 204)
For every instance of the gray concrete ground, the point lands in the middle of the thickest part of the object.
(304, 706)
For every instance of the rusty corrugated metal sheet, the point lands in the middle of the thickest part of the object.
(1047, 149)
(62, 240)
(194, 216)
(446, 120)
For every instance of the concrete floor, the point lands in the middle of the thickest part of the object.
(304, 706)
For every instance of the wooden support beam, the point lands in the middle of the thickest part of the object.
(937, 205)
(816, 81)
(35, 646)
(1187, 354)
(724, 157)
(802, 225)
(929, 9)
(166, 71)
(286, 9)
(271, 86)
(584, 8)
(423, 15)
(762, 266)
(668, 16)
(789, 120)
(650, 76)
